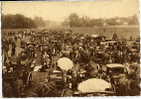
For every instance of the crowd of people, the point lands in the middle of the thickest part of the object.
(24, 50)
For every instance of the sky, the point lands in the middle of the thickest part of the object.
(58, 11)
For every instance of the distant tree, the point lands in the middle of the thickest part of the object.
(112, 21)
(17, 21)
(84, 21)
(39, 22)
(96, 22)
(74, 20)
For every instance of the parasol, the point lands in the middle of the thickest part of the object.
(94, 35)
(37, 68)
(65, 63)
(93, 85)
(115, 65)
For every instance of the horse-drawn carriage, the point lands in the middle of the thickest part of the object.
(85, 87)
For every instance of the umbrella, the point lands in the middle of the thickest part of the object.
(93, 85)
(94, 35)
(37, 68)
(65, 63)
(115, 65)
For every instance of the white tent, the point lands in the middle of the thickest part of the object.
(65, 63)
(93, 85)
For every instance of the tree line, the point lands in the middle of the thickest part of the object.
(20, 21)
(73, 20)
(84, 21)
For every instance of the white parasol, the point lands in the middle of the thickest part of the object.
(37, 68)
(93, 85)
(94, 35)
(115, 65)
(65, 63)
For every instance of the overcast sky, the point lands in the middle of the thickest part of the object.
(57, 11)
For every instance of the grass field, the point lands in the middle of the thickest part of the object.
(121, 31)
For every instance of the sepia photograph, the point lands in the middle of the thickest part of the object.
(70, 48)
